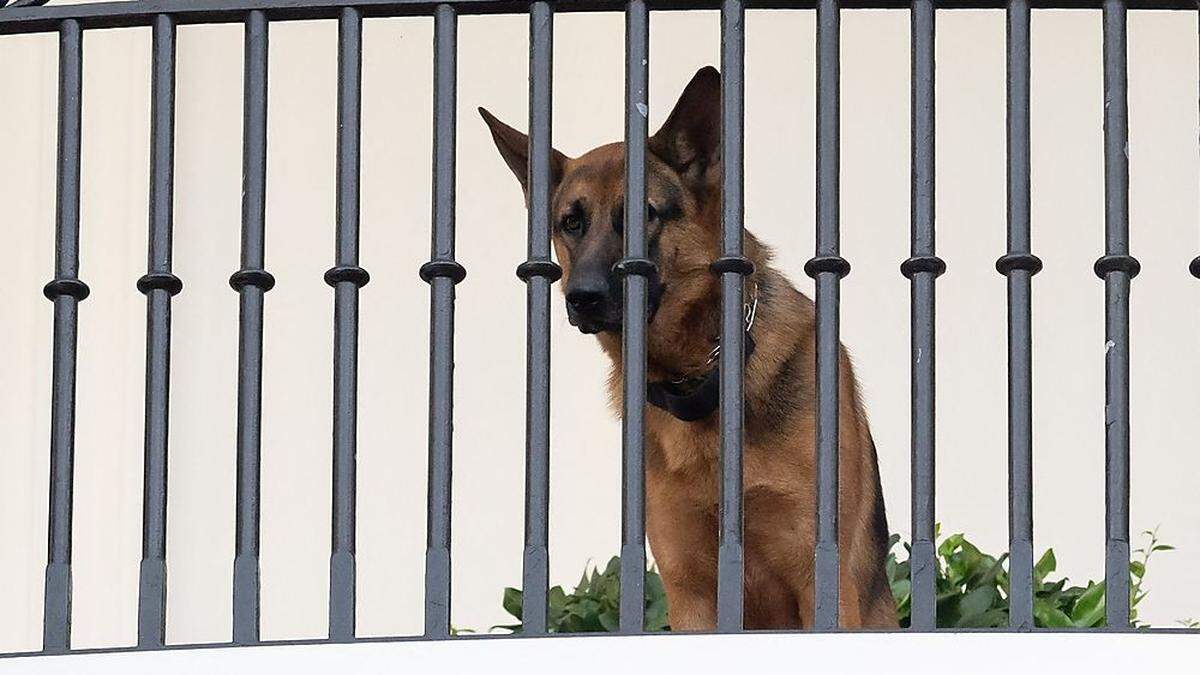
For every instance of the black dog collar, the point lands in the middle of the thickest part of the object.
(694, 398)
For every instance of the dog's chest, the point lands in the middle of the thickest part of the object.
(690, 447)
(690, 453)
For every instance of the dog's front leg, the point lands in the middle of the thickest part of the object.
(683, 539)
(688, 608)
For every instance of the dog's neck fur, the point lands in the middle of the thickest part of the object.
(687, 325)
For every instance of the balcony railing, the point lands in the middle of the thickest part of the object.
(67, 291)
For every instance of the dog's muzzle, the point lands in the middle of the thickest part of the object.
(593, 310)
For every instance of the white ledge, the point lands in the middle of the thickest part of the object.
(691, 654)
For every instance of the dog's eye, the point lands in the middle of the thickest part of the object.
(618, 217)
(572, 223)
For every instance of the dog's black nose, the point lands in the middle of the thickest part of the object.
(586, 301)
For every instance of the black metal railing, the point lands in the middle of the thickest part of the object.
(539, 272)
(1019, 265)
(251, 282)
(922, 269)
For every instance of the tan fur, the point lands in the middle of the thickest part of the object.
(683, 470)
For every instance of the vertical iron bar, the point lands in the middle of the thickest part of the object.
(442, 273)
(635, 269)
(827, 268)
(252, 282)
(922, 269)
(346, 278)
(159, 285)
(1117, 268)
(1019, 265)
(733, 267)
(1194, 266)
(538, 272)
(65, 291)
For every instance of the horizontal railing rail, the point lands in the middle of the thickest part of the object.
(539, 272)
(125, 13)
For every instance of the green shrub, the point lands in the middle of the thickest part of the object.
(594, 605)
(972, 592)
(972, 587)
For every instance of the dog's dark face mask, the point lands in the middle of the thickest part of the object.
(593, 244)
(588, 216)
(588, 212)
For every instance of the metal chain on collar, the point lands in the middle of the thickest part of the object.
(749, 310)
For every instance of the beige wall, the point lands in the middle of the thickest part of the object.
(489, 448)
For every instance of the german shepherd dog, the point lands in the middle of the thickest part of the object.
(682, 468)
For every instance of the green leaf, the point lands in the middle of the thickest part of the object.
(992, 576)
(657, 621)
(1055, 590)
(1047, 616)
(610, 622)
(1044, 566)
(557, 597)
(974, 604)
(947, 612)
(557, 600)
(512, 602)
(1137, 597)
(654, 586)
(993, 618)
(948, 546)
(1137, 568)
(1089, 608)
(613, 569)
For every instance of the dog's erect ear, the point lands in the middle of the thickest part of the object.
(514, 148)
(690, 140)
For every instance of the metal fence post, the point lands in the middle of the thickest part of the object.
(442, 273)
(346, 278)
(1117, 268)
(733, 267)
(636, 270)
(827, 267)
(158, 285)
(251, 282)
(66, 291)
(1019, 265)
(538, 272)
(922, 269)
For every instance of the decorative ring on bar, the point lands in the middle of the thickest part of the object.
(442, 268)
(63, 287)
(539, 268)
(1019, 261)
(160, 281)
(1117, 263)
(641, 267)
(1194, 268)
(732, 263)
(260, 279)
(352, 273)
(827, 263)
(923, 263)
